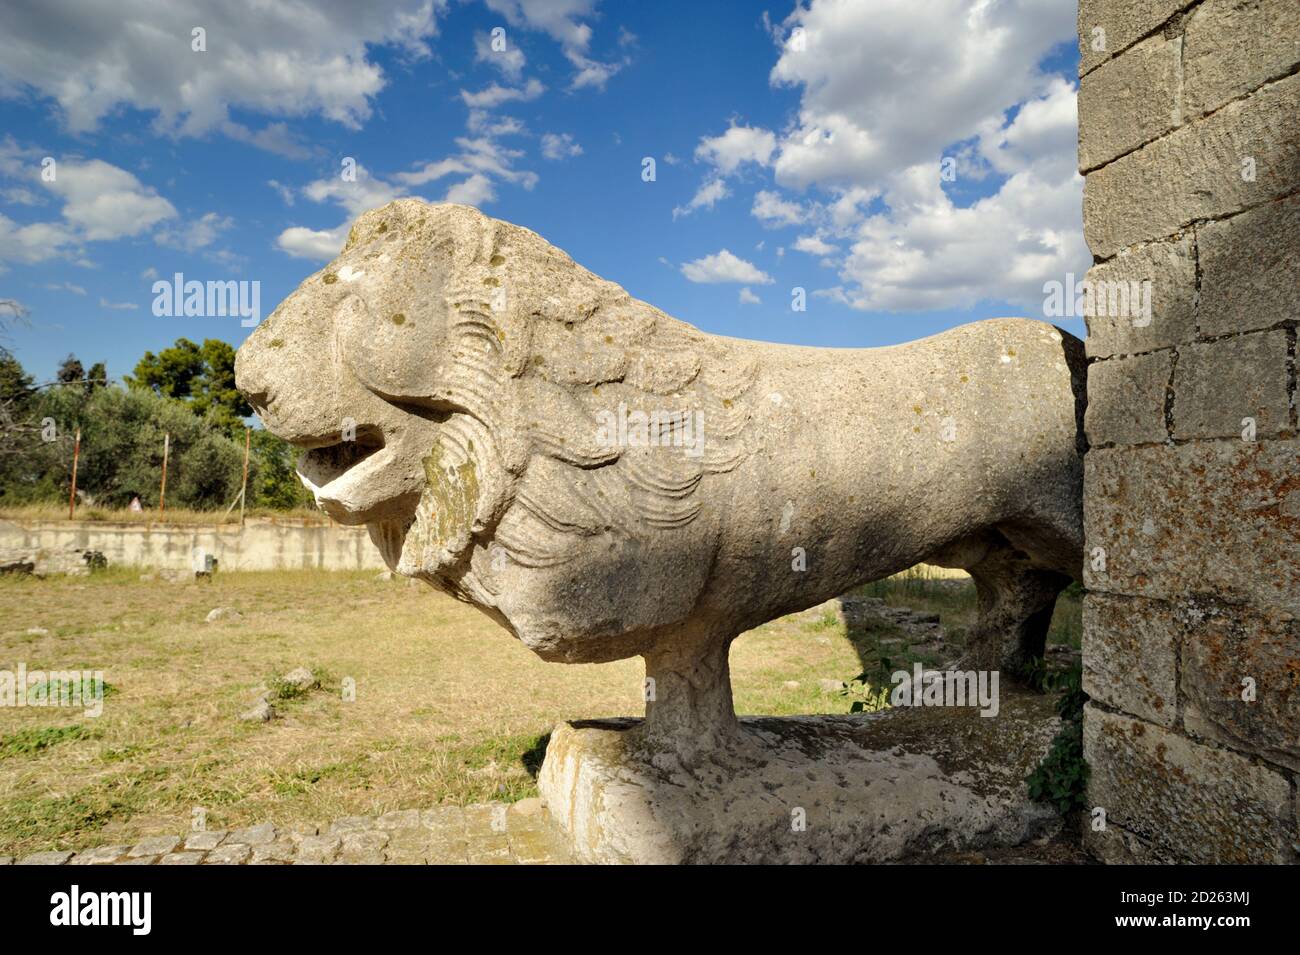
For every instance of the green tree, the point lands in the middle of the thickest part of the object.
(276, 484)
(97, 377)
(171, 372)
(70, 370)
(204, 374)
(15, 383)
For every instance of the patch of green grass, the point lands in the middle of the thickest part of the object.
(297, 783)
(825, 622)
(29, 741)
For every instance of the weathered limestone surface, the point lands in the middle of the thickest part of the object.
(1190, 642)
(1124, 22)
(1170, 267)
(1132, 409)
(1220, 518)
(1233, 46)
(1218, 384)
(486, 414)
(1249, 265)
(1128, 101)
(849, 789)
(1130, 660)
(1186, 801)
(1241, 681)
(1196, 172)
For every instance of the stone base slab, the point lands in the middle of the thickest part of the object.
(883, 787)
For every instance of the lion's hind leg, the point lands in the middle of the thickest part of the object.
(1016, 597)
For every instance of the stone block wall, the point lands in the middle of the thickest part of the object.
(1189, 139)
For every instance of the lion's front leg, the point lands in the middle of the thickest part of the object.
(688, 694)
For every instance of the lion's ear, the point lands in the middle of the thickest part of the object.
(397, 354)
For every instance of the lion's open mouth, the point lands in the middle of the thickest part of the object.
(333, 461)
(323, 466)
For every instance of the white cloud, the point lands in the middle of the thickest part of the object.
(886, 91)
(481, 160)
(510, 60)
(19, 196)
(722, 266)
(474, 191)
(117, 306)
(278, 59)
(199, 234)
(888, 85)
(562, 21)
(559, 146)
(495, 94)
(739, 144)
(274, 138)
(285, 193)
(354, 196)
(705, 197)
(319, 244)
(772, 210)
(35, 242)
(480, 154)
(104, 202)
(100, 202)
(65, 287)
(149, 273)
(925, 252)
(814, 245)
(747, 297)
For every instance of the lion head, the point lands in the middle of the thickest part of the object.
(453, 379)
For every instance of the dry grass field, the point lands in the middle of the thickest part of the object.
(448, 707)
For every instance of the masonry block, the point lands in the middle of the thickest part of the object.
(1241, 681)
(1217, 385)
(1214, 517)
(1123, 21)
(1126, 399)
(1183, 800)
(1241, 156)
(1249, 265)
(1234, 46)
(1130, 657)
(1170, 267)
(1129, 100)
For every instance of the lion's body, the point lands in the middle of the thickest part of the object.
(499, 396)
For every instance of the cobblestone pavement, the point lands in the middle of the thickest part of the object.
(492, 833)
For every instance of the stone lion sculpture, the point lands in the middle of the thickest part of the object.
(605, 481)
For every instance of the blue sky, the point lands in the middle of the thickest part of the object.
(793, 146)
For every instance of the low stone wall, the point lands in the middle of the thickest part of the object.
(260, 544)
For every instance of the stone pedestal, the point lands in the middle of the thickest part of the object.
(899, 784)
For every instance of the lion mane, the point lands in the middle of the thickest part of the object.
(537, 349)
